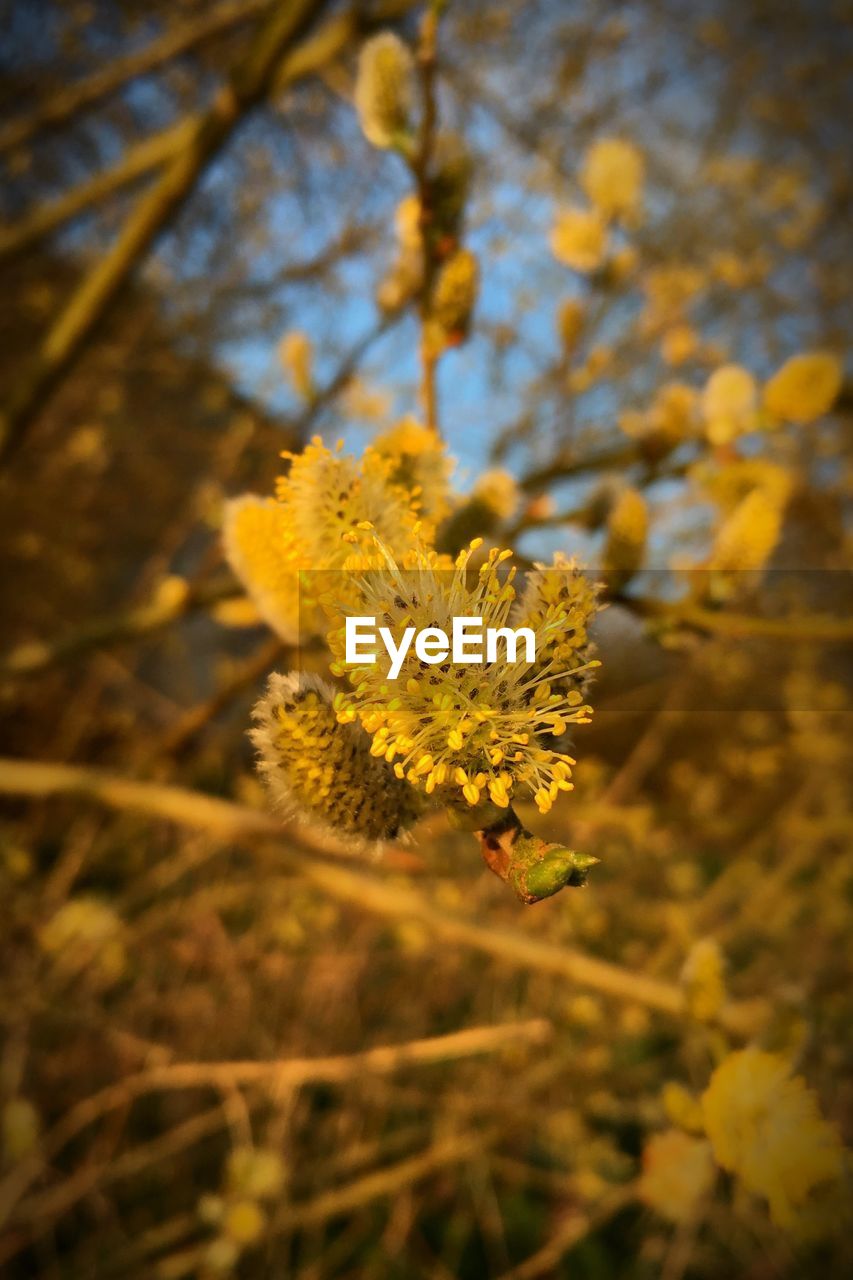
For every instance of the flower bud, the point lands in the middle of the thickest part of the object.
(384, 89)
(456, 292)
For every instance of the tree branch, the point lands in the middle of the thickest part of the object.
(247, 85)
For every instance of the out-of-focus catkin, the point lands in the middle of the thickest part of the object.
(627, 531)
(384, 89)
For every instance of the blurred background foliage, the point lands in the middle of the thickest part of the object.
(197, 277)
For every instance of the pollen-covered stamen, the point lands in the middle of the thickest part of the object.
(483, 728)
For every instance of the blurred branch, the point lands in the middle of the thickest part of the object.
(229, 821)
(575, 1228)
(307, 59)
(247, 85)
(816, 627)
(192, 721)
(342, 1200)
(568, 464)
(36, 655)
(74, 97)
(138, 160)
(420, 170)
(287, 1073)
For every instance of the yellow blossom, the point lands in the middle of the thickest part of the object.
(703, 980)
(729, 403)
(497, 490)
(678, 1173)
(384, 89)
(627, 530)
(456, 292)
(612, 177)
(570, 322)
(19, 1126)
(297, 356)
(243, 1223)
(329, 498)
(559, 603)
(765, 1126)
(682, 1108)
(420, 465)
(407, 223)
(259, 546)
(679, 344)
(805, 388)
(579, 239)
(86, 933)
(320, 767)
(748, 538)
(475, 731)
(255, 1172)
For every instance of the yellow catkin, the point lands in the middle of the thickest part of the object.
(612, 177)
(729, 402)
(455, 292)
(259, 546)
(420, 465)
(748, 538)
(321, 770)
(297, 359)
(384, 89)
(678, 1173)
(86, 934)
(580, 239)
(805, 388)
(474, 731)
(703, 980)
(498, 491)
(627, 530)
(243, 1223)
(765, 1127)
(570, 321)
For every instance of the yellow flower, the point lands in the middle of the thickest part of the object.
(570, 322)
(259, 546)
(627, 530)
(329, 498)
(805, 388)
(255, 1172)
(765, 1126)
(678, 1173)
(85, 933)
(20, 1126)
(297, 356)
(420, 465)
(612, 177)
(729, 484)
(456, 292)
(559, 603)
(729, 403)
(748, 538)
(474, 731)
(407, 223)
(672, 412)
(703, 980)
(243, 1223)
(497, 490)
(579, 239)
(682, 1108)
(384, 89)
(320, 769)
(669, 290)
(679, 343)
